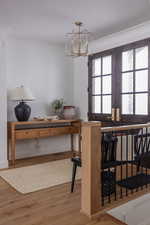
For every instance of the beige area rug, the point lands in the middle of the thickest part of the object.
(33, 178)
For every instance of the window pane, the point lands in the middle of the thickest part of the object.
(107, 104)
(127, 60)
(97, 67)
(141, 57)
(141, 104)
(107, 85)
(96, 85)
(127, 82)
(127, 104)
(96, 108)
(141, 80)
(107, 65)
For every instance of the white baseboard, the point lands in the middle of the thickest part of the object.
(3, 164)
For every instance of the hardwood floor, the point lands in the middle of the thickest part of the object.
(52, 206)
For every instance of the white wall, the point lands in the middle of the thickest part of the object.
(46, 70)
(3, 109)
(80, 82)
(48, 73)
(80, 78)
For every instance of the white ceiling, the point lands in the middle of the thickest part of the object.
(52, 19)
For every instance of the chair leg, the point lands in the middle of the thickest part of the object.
(73, 176)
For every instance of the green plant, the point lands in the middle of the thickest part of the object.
(57, 105)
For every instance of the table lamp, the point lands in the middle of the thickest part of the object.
(22, 110)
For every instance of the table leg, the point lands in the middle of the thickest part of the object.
(72, 145)
(13, 147)
(13, 153)
(79, 144)
(8, 148)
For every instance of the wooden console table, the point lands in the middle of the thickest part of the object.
(40, 129)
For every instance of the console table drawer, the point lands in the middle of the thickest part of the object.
(39, 133)
(44, 133)
(30, 134)
(63, 130)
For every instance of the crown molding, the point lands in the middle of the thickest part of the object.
(124, 31)
(134, 33)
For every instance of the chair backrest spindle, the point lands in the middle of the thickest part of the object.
(109, 148)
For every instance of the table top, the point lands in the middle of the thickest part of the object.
(42, 121)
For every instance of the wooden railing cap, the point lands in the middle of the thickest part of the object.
(125, 127)
(91, 124)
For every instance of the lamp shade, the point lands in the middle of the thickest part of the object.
(21, 94)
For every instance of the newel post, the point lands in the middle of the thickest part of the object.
(91, 169)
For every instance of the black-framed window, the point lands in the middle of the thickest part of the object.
(120, 79)
(135, 81)
(101, 84)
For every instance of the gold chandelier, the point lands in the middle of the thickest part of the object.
(77, 41)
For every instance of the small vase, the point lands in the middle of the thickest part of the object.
(69, 112)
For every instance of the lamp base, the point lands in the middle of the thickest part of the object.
(22, 111)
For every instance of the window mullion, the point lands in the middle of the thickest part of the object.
(134, 81)
(149, 78)
(101, 85)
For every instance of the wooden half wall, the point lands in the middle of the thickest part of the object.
(91, 171)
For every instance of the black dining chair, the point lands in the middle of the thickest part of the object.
(109, 153)
(142, 150)
(140, 161)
